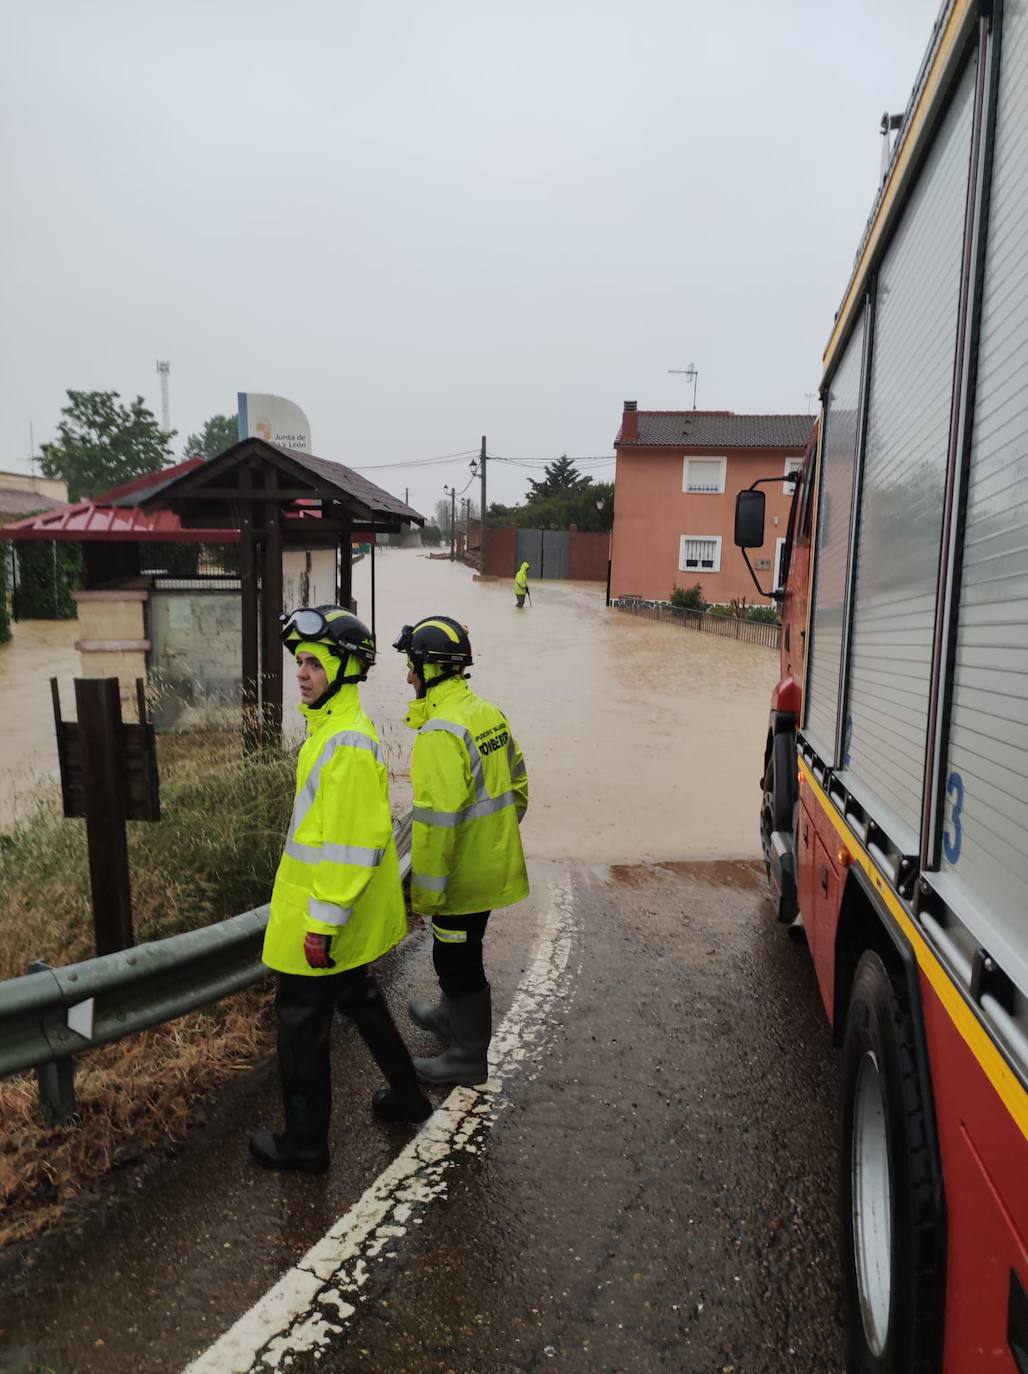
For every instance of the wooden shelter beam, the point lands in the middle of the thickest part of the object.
(248, 603)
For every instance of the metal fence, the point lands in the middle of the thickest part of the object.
(729, 626)
(52, 1014)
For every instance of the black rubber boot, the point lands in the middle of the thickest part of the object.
(275, 1152)
(432, 1016)
(403, 1100)
(467, 1060)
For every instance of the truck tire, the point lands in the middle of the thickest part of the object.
(891, 1226)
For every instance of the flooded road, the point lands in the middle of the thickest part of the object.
(647, 1184)
(38, 651)
(640, 738)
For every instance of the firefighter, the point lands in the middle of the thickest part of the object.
(470, 795)
(521, 585)
(338, 902)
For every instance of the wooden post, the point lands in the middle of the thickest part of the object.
(248, 595)
(373, 587)
(100, 728)
(271, 609)
(346, 568)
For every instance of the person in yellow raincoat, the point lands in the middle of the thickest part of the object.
(470, 795)
(521, 585)
(337, 903)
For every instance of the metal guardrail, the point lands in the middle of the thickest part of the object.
(50, 1015)
(728, 626)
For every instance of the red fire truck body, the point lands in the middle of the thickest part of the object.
(894, 816)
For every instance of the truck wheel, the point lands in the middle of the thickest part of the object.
(890, 1226)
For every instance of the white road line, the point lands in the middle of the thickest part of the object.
(315, 1301)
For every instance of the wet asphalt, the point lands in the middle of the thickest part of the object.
(656, 1192)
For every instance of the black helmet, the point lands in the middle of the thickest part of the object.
(339, 630)
(436, 639)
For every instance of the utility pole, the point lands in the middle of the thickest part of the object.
(162, 371)
(406, 496)
(453, 522)
(482, 515)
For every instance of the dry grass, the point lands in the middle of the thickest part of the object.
(213, 854)
(133, 1099)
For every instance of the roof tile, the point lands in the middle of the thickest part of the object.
(719, 429)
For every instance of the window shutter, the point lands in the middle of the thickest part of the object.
(704, 475)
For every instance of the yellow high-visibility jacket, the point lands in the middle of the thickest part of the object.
(521, 580)
(339, 874)
(470, 793)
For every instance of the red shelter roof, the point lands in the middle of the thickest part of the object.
(102, 518)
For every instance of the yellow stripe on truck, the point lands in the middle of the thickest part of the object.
(974, 1034)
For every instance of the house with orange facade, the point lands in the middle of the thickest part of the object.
(678, 472)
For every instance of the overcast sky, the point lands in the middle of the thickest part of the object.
(424, 222)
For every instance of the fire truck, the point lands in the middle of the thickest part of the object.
(894, 813)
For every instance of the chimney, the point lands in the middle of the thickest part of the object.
(630, 422)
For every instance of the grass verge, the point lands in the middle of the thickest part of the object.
(134, 1099)
(212, 855)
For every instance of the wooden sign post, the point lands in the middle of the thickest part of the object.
(109, 776)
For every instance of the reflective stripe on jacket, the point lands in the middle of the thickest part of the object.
(339, 874)
(470, 792)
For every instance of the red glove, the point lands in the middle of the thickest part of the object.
(316, 948)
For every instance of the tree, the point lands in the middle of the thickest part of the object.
(219, 433)
(431, 535)
(561, 477)
(101, 443)
(442, 516)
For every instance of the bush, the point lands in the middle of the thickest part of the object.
(432, 535)
(766, 615)
(47, 573)
(688, 598)
(5, 578)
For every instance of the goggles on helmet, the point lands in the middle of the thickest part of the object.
(307, 622)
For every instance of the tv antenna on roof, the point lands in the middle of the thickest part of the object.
(690, 374)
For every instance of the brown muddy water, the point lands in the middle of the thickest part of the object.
(644, 742)
(38, 651)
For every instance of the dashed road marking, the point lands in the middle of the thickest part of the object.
(316, 1300)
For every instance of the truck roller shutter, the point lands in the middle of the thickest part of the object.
(834, 502)
(984, 859)
(899, 532)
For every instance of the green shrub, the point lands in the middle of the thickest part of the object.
(766, 615)
(688, 598)
(47, 573)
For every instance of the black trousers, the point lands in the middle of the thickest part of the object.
(457, 953)
(304, 1008)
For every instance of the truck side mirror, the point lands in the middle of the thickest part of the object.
(749, 519)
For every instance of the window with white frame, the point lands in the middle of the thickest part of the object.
(700, 553)
(704, 475)
(779, 552)
(792, 465)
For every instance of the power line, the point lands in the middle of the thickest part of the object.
(416, 462)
